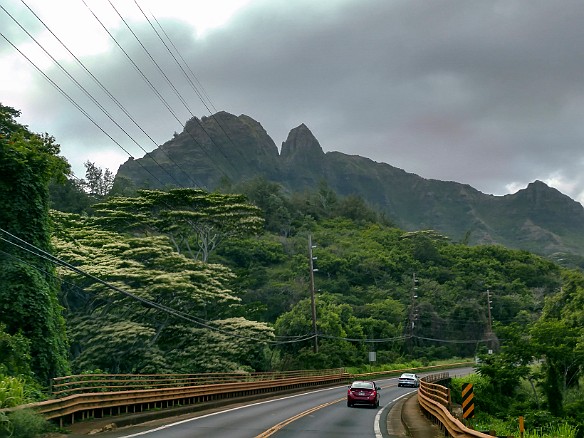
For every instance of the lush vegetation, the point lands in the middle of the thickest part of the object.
(33, 342)
(136, 281)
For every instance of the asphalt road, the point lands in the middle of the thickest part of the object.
(320, 413)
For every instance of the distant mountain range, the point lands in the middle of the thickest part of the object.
(210, 150)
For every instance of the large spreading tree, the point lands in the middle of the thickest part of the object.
(195, 221)
(135, 305)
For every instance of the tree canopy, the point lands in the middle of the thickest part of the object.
(28, 288)
(153, 308)
(195, 221)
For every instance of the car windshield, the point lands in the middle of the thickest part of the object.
(362, 385)
(408, 376)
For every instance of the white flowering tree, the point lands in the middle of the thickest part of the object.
(195, 221)
(136, 305)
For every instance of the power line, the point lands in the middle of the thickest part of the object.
(71, 100)
(102, 108)
(34, 250)
(152, 87)
(366, 340)
(192, 86)
(81, 87)
(176, 92)
(450, 341)
(112, 97)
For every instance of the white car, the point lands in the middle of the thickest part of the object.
(409, 379)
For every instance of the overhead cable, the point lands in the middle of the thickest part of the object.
(72, 101)
(218, 147)
(112, 97)
(152, 87)
(32, 249)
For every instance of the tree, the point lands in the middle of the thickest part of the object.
(98, 183)
(334, 322)
(269, 198)
(354, 207)
(195, 221)
(162, 311)
(15, 354)
(28, 287)
(69, 196)
(561, 347)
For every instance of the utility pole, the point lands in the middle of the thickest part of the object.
(489, 335)
(490, 321)
(312, 294)
(413, 311)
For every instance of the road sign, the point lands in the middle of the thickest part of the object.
(467, 401)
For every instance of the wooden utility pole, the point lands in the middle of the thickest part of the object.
(413, 311)
(489, 323)
(312, 293)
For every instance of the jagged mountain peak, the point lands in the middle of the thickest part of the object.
(301, 144)
(223, 147)
(539, 194)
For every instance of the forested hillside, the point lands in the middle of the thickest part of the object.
(189, 281)
(223, 149)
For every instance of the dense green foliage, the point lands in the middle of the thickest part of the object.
(539, 369)
(33, 329)
(150, 311)
(196, 222)
(187, 281)
(491, 415)
(367, 269)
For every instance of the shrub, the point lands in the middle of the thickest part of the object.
(23, 423)
(11, 392)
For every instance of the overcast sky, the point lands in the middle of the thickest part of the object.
(486, 93)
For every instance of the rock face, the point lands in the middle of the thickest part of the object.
(224, 147)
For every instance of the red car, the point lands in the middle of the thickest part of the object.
(363, 393)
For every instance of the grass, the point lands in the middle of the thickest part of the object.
(511, 428)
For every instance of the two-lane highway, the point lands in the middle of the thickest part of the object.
(319, 413)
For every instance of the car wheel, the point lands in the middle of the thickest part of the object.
(349, 404)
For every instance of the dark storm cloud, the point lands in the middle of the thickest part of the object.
(487, 93)
(484, 93)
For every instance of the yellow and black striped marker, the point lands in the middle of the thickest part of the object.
(467, 401)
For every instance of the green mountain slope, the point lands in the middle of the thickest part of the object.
(226, 148)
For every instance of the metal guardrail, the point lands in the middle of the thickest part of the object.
(80, 406)
(87, 396)
(410, 370)
(435, 401)
(89, 383)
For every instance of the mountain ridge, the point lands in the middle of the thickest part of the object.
(223, 146)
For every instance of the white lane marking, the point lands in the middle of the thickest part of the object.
(376, 425)
(228, 410)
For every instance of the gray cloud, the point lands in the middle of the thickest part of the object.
(484, 93)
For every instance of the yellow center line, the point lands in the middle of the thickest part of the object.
(272, 430)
